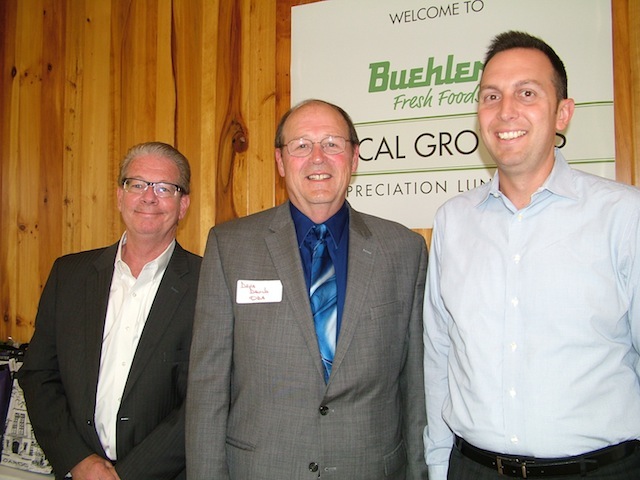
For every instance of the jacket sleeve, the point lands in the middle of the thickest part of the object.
(438, 438)
(208, 391)
(411, 380)
(44, 391)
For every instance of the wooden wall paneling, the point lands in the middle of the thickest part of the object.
(8, 156)
(258, 77)
(72, 128)
(623, 89)
(50, 168)
(193, 55)
(165, 88)
(230, 129)
(94, 190)
(26, 189)
(139, 51)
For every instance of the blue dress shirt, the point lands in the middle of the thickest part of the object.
(532, 332)
(338, 246)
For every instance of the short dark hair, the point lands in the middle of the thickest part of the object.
(164, 150)
(514, 39)
(353, 135)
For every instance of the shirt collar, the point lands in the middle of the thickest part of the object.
(335, 224)
(559, 181)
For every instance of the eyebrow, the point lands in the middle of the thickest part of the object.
(518, 84)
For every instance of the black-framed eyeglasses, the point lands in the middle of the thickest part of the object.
(331, 145)
(161, 189)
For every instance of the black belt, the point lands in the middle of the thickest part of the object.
(527, 467)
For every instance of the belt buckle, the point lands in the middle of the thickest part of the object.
(500, 467)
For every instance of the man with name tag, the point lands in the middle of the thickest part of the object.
(532, 333)
(307, 352)
(105, 374)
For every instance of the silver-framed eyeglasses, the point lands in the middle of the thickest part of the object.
(302, 147)
(161, 189)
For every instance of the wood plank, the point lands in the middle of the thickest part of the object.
(28, 121)
(258, 76)
(8, 156)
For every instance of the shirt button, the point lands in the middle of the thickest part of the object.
(514, 346)
(514, 439)
(514, 301)
(313, 467)
(323, 410)
(516, 259)
(512, 392)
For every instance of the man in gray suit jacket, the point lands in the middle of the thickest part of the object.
(261, 402)
(105, 374)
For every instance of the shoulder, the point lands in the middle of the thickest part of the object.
(252, 227)
(87, 258)
(255, 220)
(387, 231)
(603, 190)
(190, 256)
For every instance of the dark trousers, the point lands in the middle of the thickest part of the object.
(463, 468)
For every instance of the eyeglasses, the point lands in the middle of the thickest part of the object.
(331, 145)
(161, 189)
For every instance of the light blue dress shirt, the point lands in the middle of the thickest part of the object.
(532, 330)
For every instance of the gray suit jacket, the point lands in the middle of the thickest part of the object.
(60, 373)
(257, 403)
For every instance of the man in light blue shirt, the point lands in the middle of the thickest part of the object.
(532, 330)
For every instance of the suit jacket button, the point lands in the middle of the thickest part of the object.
(313, 467)
(323, 409)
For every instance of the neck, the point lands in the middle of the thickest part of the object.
(136, 254)
(520, 186)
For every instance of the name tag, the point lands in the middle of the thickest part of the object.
(259, 291)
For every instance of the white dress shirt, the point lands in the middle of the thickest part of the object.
(130, 301)
(532, 331)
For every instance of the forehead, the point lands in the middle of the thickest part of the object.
(315, 119)
(517, 65)
(153, 165)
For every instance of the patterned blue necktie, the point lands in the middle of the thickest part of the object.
(323, 296)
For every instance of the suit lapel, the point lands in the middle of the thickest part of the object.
(362, 253)
(281, 242)
(96, 301)
(170, 292)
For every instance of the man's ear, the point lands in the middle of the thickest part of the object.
(565, 113)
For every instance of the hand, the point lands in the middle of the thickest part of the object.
(94, 467)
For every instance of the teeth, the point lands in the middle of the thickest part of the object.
(319, 176)
(511, 135)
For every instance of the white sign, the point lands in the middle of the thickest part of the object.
(407, 72)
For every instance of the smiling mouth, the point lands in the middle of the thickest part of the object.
(511, 135)
(319, 176)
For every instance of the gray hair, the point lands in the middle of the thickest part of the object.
(164, 150)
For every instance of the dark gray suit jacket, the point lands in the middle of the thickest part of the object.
(257, 403)
(60, 373)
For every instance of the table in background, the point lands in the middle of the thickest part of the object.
(7, 473)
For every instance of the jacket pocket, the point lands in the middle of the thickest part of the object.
(395, 460)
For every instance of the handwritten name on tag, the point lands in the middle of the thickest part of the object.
(259, 291)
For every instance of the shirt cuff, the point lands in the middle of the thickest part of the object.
(438, 472)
